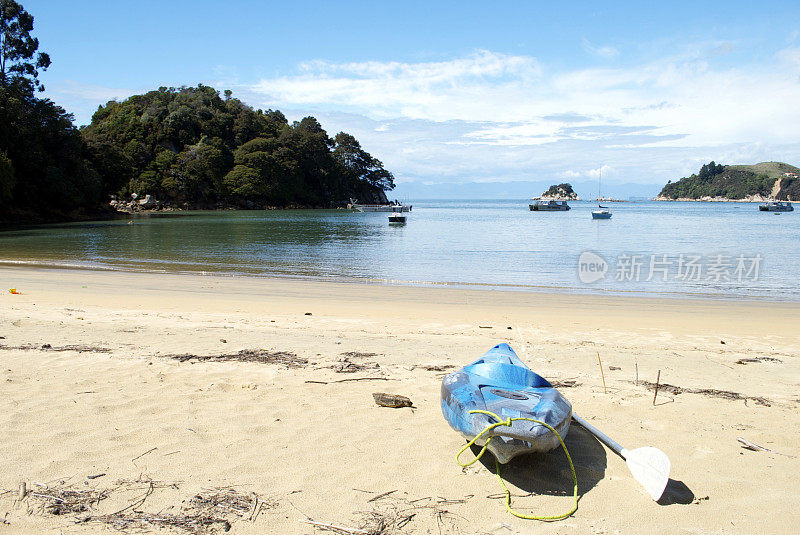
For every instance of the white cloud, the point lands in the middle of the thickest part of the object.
(490, 116)
(684, 98)
(89, 92)
(82, 99)
(607, 52)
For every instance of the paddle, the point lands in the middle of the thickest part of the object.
(649, 466)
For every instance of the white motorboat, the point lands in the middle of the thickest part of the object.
(397, 218)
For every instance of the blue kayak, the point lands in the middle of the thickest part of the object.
(500, 383)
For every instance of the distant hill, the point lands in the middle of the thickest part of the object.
(737, 182)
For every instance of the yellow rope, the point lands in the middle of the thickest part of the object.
(507, 422)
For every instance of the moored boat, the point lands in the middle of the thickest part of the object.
(395, 218)
(542, 205)
(602, 212)
(776, 206)
(396, 206)
(500, 383)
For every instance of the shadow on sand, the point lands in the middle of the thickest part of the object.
(549, 473)
(676, 492)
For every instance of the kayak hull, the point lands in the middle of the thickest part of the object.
(500, 383)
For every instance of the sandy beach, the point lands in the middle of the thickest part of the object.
(97, 378)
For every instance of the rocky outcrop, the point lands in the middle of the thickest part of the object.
(560, 192)
(135, 204)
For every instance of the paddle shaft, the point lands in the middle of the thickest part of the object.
(605, 439)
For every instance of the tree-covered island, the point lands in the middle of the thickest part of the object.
(188, 147)
(737, 182)
(560, 192)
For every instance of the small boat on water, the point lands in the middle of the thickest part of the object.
(396, 218)
(776, 206)
(602, 212)
(396, 206)
(541, 205)
(500, 383)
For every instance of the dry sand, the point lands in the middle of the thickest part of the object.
(120, 406)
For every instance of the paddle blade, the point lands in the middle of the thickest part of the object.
(650, 467)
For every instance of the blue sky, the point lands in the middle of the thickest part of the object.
(449, 93)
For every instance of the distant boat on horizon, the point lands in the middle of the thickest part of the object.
(603, 212)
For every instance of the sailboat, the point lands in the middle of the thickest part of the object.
(602, 212)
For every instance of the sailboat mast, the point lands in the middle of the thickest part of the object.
(599, 182)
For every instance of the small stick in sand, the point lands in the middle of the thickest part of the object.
(145, 453)
(23, 490)
(636, 363)
(334, 527)
(383, 495)
(601, 372)
(658, 379)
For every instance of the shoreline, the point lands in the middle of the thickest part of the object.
(717, 199)
(551, 291)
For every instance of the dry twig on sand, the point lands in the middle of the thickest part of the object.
(48, 347)
(262, 356)
(210, 511)
(345, 365)
(757, 359)
(433, 367)
(710, 392)
(392, 516)
(65, 499)
(358, 354)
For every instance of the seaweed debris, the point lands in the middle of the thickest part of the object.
(710, 392)
(261, 356)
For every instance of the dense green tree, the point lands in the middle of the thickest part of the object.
(191, 147)
(19, 61)
(716, 180)
(358, 164)
(47, 169)
(6, 177)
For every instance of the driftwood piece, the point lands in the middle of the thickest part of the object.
(755, 447)
(566, 383)
(394, 401)
(757, 359)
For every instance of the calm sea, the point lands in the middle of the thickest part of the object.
(720, 249)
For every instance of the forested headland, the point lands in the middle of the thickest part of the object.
(737, 182)
(188, 147)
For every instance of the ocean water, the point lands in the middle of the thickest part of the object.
(647, 248)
